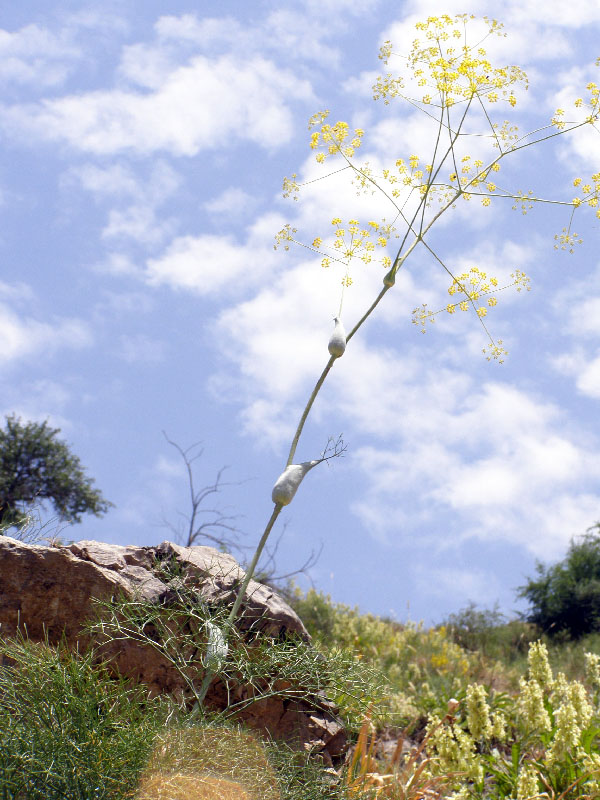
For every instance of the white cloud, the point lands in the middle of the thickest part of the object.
(22, 336)
(588, 380)
(139, 200)
(579, 313)
(140, 223)
(118, 264)
(141, 349)
(36, 56)
(460, 584)
(210, 264)
(233, 201)
(495, 461)
(283, 31)
(204, 104)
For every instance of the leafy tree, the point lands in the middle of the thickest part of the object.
(565, 598)
(36, 466)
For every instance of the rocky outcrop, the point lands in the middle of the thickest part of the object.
(49, 592)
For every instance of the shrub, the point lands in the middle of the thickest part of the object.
(565, 598)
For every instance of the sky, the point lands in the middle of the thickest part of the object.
(143, 150)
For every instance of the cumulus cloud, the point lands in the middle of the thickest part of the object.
(23, 336)
(231, 202)
(497, 462)
(202, 104)
(138, 200)
(208, 264)
(36, 56)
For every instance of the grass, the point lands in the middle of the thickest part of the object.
(459, 707)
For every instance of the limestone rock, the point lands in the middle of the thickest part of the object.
(49, 591)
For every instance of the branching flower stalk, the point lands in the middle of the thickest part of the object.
(445, 71)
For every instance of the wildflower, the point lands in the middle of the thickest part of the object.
(531, 703)
(537, 659)
(478, 713)
(568, 733)
(592, 669)
(527, 782)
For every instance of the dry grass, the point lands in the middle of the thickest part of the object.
(401, 779)
(181, 786)
(199, 763)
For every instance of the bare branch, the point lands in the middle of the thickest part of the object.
(201, 524)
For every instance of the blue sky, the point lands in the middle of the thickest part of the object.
(143, 152)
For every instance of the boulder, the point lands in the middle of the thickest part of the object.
(48, 591)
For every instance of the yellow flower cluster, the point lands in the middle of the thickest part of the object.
(410, 175)
(355, 242)
(495, 351)
(566, 240)
(291, 187)
(450, 69)
(472, 286)
(455, 751)
(387, 86)
(332, 138)
(525, 200)
(554, 722)
(505, 135)
(284, 236)
(474, 176)
(589, 191)
(592, 104)
(528, 783)
(478, 713)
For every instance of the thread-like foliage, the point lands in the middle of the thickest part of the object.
(67, 728)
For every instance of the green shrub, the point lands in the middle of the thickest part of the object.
(565, 598)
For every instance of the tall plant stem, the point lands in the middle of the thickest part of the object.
(238, 601)
(307, 409)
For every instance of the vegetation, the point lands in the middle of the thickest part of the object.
(460, 723)
(565, 598)
(36, 466)
(68, 728)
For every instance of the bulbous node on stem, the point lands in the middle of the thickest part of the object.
(389, 279)
(337, 342)
(288, 482)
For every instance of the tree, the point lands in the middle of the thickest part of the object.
(565, 598)
(203, 525)
(36, 466)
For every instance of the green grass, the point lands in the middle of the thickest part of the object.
(68, 729)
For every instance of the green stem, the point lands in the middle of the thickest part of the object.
(209, 674)
(307, 409)
(250, 571)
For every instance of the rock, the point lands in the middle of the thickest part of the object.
(49, 591)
